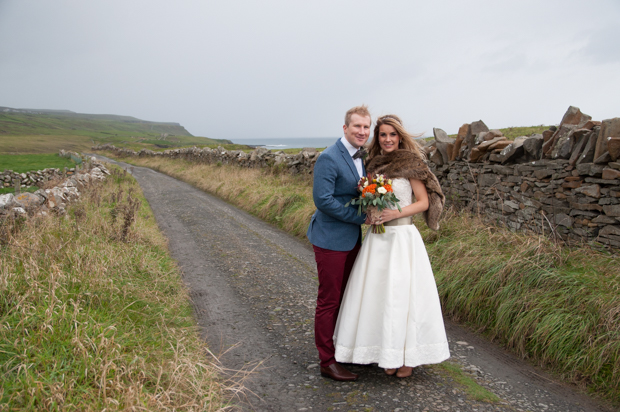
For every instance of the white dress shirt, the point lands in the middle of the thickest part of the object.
(357, 162)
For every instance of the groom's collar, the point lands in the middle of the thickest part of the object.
(348, 146)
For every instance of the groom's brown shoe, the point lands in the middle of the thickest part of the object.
(337, 372)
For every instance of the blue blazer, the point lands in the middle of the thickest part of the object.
(334, 226)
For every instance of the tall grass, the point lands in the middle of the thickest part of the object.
(557, 306)
(94, 315)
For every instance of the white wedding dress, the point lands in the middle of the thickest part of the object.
(390, 313)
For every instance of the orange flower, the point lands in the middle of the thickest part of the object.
(369, 189)
(388, 188)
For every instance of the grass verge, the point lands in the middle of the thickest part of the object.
(469, 385)
(94, 314)
(557, 306)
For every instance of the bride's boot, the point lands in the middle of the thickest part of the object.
(390, 371)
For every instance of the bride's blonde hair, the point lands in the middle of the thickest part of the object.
(406, 140)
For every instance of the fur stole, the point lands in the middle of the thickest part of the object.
(403, 163)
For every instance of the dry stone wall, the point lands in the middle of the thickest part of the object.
(302, 162)
(55, 199)
(564, 182)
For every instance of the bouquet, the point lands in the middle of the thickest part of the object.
(375, 196)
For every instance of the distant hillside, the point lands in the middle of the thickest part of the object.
(79, 131)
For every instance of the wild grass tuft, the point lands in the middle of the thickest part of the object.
(559, 307)
(94, 315)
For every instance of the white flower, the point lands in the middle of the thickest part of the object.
(381, 190)
(366, 183)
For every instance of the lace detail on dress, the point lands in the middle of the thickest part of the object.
(403, 191)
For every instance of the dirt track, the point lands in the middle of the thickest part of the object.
(254, 289)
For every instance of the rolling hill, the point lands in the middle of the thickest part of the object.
(42, 130)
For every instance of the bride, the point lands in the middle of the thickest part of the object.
(390, 312)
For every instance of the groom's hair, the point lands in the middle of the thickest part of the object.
(358, 110)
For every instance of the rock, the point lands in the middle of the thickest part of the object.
(488, 179)
(484, 146)
(475, 155)
(463, 131)
(591, 124)
(548, 134)
(573, 116)
(456, 149)
(436, 157)
(28, 200)
(613, 147)
(512, 151)
(603, 159)
(532, 146)
(478, 127)
(559, 140)
(562, 219)
(609, 174)
(590, 190)
(612, 210)
(609, 128)
(587, 156)
(6, 201)
(474, 129)
(604, 220)
(578, 146)
(442, 141)
(17, 211)
(610, 230)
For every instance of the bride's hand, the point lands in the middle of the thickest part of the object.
(389, 214)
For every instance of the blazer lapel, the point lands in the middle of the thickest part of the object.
(348, 159)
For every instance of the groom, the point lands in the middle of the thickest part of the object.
(335, 231)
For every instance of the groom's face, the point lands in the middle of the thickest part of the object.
(358, 130)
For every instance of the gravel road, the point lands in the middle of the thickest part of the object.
(254, 290)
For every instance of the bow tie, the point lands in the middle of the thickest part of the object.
(360, 154)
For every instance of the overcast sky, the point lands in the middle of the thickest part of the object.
(285, 68)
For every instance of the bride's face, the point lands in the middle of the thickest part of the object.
(388, 138)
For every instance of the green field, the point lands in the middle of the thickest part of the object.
(32, 162)
(49, 132)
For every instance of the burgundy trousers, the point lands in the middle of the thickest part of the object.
(334, 268)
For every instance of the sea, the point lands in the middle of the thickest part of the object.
(288, 143)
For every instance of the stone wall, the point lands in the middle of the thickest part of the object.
(302, 162)
(9, 178)
(54, 199)
(564, 182)
(579, 203)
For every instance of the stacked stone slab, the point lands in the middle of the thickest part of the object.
(9, 177)
(564, 182)
(577, 138)
(302, 162)
(55, 199)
